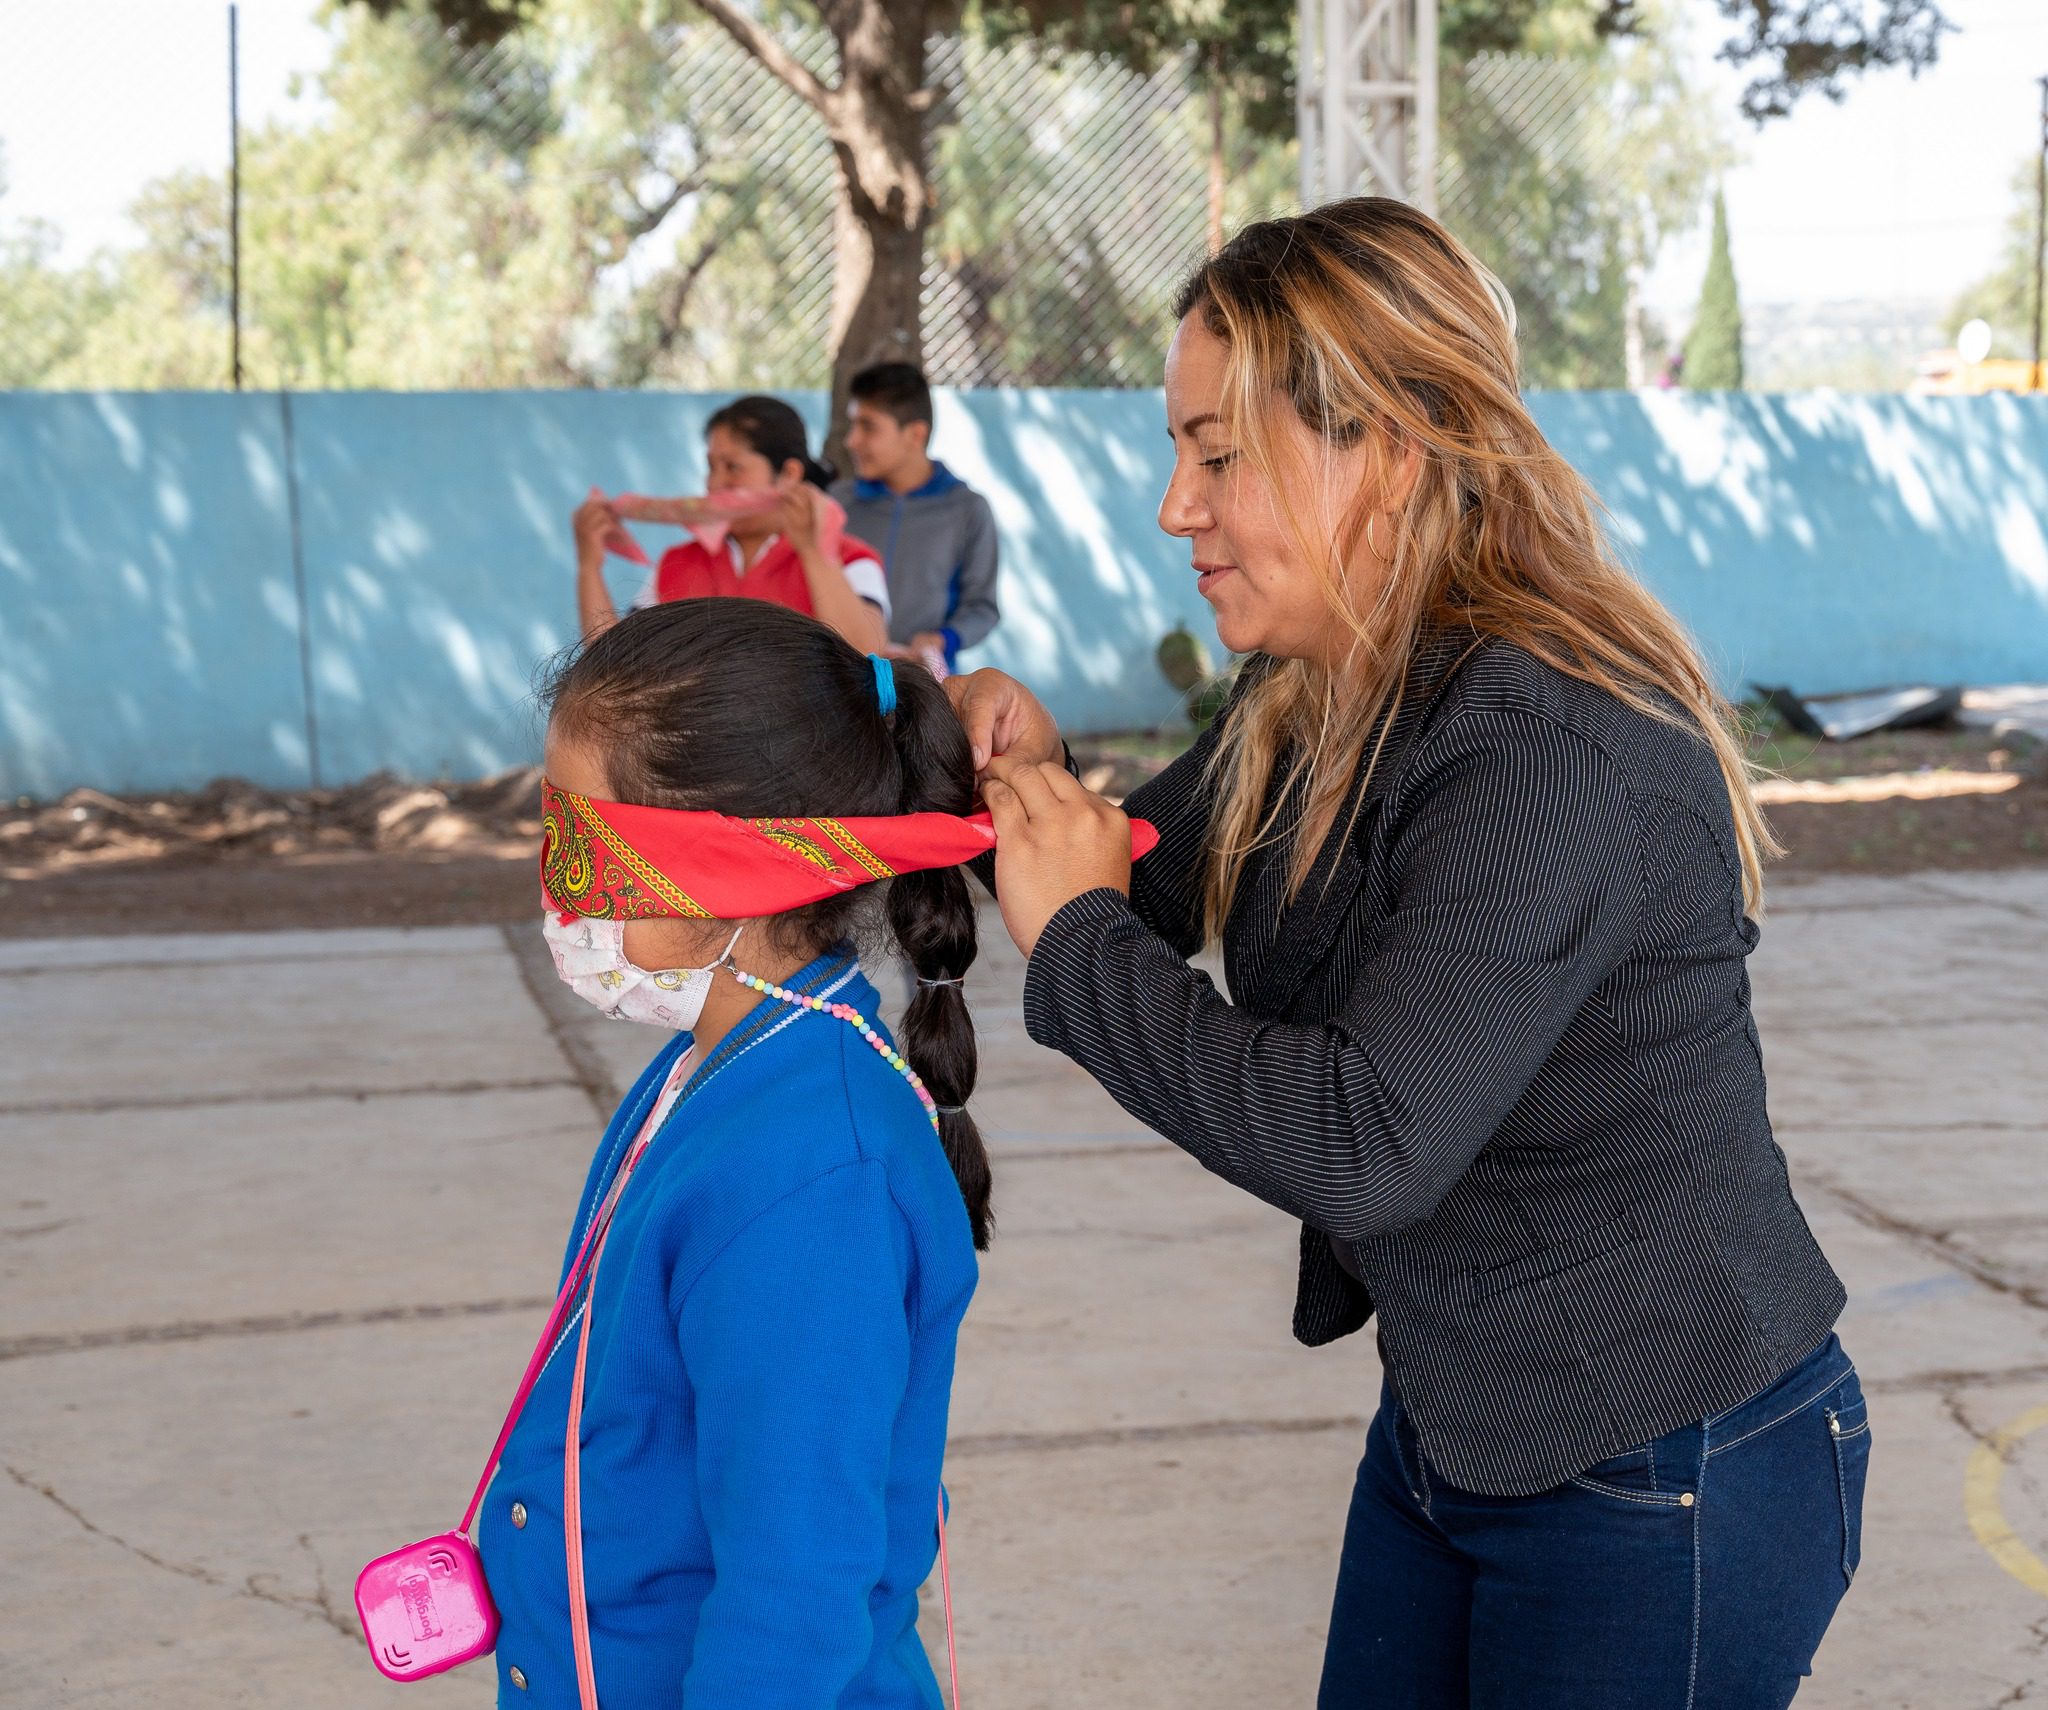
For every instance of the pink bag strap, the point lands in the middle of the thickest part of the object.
(585, 1258)
(572, 1505)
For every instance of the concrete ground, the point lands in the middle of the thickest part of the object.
(280, 1214)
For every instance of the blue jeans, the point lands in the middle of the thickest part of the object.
(1696, 1572)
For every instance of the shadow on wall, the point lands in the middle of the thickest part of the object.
(1831, 541)
(149, 594)
(149, 619)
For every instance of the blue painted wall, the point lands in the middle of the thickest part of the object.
(161, 614)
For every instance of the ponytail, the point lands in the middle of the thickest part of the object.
(933, 918)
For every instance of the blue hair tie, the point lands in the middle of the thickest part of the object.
(885, 683)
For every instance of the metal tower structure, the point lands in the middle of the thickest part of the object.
(1365, 99)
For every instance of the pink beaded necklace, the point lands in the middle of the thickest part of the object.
(854, 1019)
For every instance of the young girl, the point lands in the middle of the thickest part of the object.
(770, 1332)
(785, 555)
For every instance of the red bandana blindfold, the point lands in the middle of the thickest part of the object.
(613, 861)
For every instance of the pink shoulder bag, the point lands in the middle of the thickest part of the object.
(426, 1609)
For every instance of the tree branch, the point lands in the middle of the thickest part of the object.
(771, 53)
(645, 219)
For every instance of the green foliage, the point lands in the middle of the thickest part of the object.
(2005, 296)
(1246, 46)
(1563, 169)
(1713, 349)
(578, 201)
(1050, 287)
(559, 210)
(1813, 46)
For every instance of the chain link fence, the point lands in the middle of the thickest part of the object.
(592, 202)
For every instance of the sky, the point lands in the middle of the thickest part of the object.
(97, 97)
(1901, 193)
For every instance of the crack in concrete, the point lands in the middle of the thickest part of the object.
(1952, 1405)
(1779, 1026)
(562, 1014)
(1121, 1436)
(316, 1609)
(1956, 1379)
(248, 959)
(298, 1095)
(2037, 1644)
(23, 1231)
(2025, 911)
(1979, 1126)
(272, 1324)
(1910, 894)
(1933, 1242)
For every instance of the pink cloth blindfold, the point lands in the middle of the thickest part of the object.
(729, 503)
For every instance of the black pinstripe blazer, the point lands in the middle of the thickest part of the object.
(1498, 1053)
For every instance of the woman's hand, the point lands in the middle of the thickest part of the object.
(796, 518)
(1055, 841)
(1002, 717)
(592, 522)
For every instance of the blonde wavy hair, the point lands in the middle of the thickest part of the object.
(1377, 328)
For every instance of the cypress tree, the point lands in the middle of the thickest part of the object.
(1713, 349)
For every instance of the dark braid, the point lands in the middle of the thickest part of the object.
(933, 917)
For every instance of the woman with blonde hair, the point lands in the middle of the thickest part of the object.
(1483, 856)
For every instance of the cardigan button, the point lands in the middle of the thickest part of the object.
(517, 1676)
(519, 1515)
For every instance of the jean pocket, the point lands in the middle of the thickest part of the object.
(1656, 1474)
(1849, 1431)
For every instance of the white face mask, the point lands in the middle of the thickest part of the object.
(590, 955)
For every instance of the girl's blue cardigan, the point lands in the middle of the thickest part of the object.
(765, 1403)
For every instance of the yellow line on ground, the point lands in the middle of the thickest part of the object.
(1980, 1501)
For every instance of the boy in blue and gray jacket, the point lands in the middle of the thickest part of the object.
(936, 533)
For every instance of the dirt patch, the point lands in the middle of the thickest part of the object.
(232, 819)
(390, 853)
(258, 893)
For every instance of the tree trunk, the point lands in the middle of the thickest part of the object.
(875, 118)
(884, 202)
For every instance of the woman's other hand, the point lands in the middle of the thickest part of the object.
(796, 518)
(1055, 841)
(592, 522)
(1003, 718)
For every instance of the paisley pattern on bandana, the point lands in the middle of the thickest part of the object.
(617, 861)
(789, 834)
(586, 869)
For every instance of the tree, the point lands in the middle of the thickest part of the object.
(1240, 55)
(1799, 47)
(544, 212)
(2005, 296)
(1813, 45)
(1713, 349)
(48, 309)
(1566, 156)
(877, 104)
(874, 107)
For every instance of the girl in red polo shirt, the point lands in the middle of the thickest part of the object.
(788, 555)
